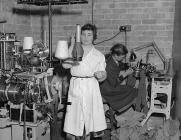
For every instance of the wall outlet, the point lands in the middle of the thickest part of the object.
(124, 28)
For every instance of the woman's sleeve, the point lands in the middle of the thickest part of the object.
(101, 65)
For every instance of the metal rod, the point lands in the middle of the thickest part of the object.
(3, 21)
(125, 37)
(4, 56)
(50, 30)
(24, 113)
(159, 52)
(24, 119)
(92, 12)
(1, 48)
(143, 46)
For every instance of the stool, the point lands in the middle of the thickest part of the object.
(160, 85)
(110, 113)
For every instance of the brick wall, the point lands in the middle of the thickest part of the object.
(17, 16)
(151, 20)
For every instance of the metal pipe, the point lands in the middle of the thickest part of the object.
(4, 55)
(159, 52)
(92, 10)
(1, 49)
(143, 46)
(50, 30)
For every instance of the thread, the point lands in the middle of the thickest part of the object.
(62, 50)
(27, 44)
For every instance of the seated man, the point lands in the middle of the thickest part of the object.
(118, 95)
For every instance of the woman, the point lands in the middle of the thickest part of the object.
(86, 112)
(116, 94)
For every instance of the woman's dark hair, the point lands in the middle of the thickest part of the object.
(119, 49)
(90, 27)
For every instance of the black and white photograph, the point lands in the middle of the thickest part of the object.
(90, 70)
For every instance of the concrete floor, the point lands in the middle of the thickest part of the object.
(58, 134)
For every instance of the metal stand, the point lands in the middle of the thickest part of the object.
(160, 85)
(24, 110)
(50, 30)
(24, 120)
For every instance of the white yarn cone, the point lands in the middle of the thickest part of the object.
(62, 50)
(27, 44)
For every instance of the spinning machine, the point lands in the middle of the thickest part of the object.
(25, 87)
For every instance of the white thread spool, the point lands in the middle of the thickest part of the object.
(62, 50)
(27, 44)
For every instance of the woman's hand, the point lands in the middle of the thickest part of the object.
(126, 73)
(69, 63)
(135, 63)
(100, 75)
(66, 65)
